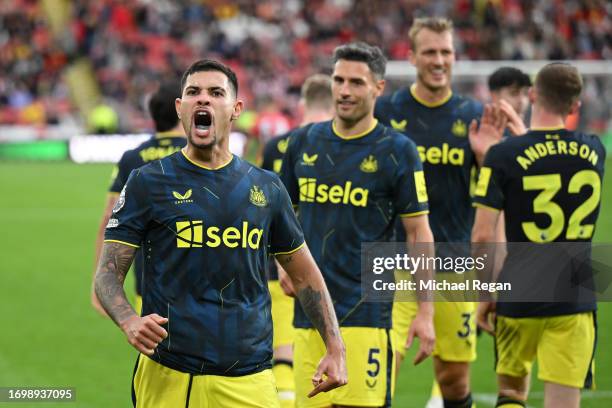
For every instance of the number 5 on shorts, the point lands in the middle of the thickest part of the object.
(373, 361)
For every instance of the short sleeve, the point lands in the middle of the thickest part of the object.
(489, 192)
(286, 233)
(131, 213)
(410, 193)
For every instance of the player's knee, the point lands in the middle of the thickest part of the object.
(454, 381)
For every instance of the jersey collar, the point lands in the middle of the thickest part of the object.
(205, 167)
(357, 136)
(429, 104)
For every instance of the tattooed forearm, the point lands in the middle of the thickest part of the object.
(318, 307)
(114, 264)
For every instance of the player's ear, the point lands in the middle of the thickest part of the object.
(177, 105)
(380, 87)
(532, 95)
(575, 108)
(411, 56)
(237, 110)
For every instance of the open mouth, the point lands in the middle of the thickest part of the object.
(202, 120)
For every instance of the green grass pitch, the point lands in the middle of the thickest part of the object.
(49, 214)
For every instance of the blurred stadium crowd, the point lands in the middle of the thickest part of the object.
(273, 45)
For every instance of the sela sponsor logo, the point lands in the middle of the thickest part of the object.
(193, 234)
(442, 155)
(311, 191)
(156, 153)
(182, 198)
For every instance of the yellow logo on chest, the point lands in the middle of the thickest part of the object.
(369, 165)
(257, 197)
(459, 128)
(401, 125)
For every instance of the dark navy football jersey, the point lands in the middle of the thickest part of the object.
(441, 135)
(205, 236)
(272, 160)
(548, 183)
(159, 146)
(349, 191)
(274, 151)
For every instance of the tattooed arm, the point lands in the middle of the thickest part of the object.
(108, 211)
(312, 293)
(143, 333)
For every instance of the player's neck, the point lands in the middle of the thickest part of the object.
(430, 97)
(212, 158)
(541, 119)
(347, 130)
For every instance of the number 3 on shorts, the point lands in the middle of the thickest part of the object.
(467, 328)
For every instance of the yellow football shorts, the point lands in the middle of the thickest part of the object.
(370, 366)
(563, 346)
(454, 323)
(157, 386)
(282, 315)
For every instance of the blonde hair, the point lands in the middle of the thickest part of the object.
(435, 24)
(316, 92)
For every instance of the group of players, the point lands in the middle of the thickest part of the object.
(203, 223)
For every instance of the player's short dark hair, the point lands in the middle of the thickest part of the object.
(558, 86)
(211, 65)
(161, 105)
(316, 92)
(508, 77)
(362, 52)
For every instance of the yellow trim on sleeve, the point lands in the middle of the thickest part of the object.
(204, 167)
(122, 242)
(429, 104)
(362, 134)
(548, 129)
(414, 214)
(479, 205)
(113, 194)
(292, 251)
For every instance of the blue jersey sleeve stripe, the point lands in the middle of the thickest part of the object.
(291, 251)
(122, 242)
(480, 205)
(414, 214)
